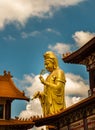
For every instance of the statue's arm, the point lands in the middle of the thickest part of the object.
(36, 95)
(59, 81)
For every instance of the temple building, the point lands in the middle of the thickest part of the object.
(8, 93)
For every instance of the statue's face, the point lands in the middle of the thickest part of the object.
(49, 65)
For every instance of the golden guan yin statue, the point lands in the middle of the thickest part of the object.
(53, 96)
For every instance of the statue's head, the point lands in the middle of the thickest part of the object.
(50, 56)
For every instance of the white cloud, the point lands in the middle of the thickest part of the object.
(76, 88)
(72, 100)
(31, 34)
(9, 37)
(38, 33)
(60, 48)
(53, 31)
(75, 85)
(32, 85)
(21, 10)
(82, 37)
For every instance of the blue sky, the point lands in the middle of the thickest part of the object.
(30, 28)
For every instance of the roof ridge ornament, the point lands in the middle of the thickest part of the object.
(7, 74)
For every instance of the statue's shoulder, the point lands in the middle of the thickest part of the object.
(58, 71)
(59, 74)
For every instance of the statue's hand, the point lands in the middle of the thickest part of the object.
(36, 95)
(42, 79)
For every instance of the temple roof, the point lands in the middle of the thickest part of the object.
(8, 89)
(78, 56)
(15, 124)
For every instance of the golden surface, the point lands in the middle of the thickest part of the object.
(52, 98)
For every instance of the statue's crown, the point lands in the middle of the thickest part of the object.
(49, 55)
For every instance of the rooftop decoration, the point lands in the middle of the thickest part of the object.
(8, 89)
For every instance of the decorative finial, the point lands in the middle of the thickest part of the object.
(66, 55)
(5, 73)
(9, 74)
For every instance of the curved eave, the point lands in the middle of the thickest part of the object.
(14, 98)
(16, 123)
(8, 89)
(81, 53)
